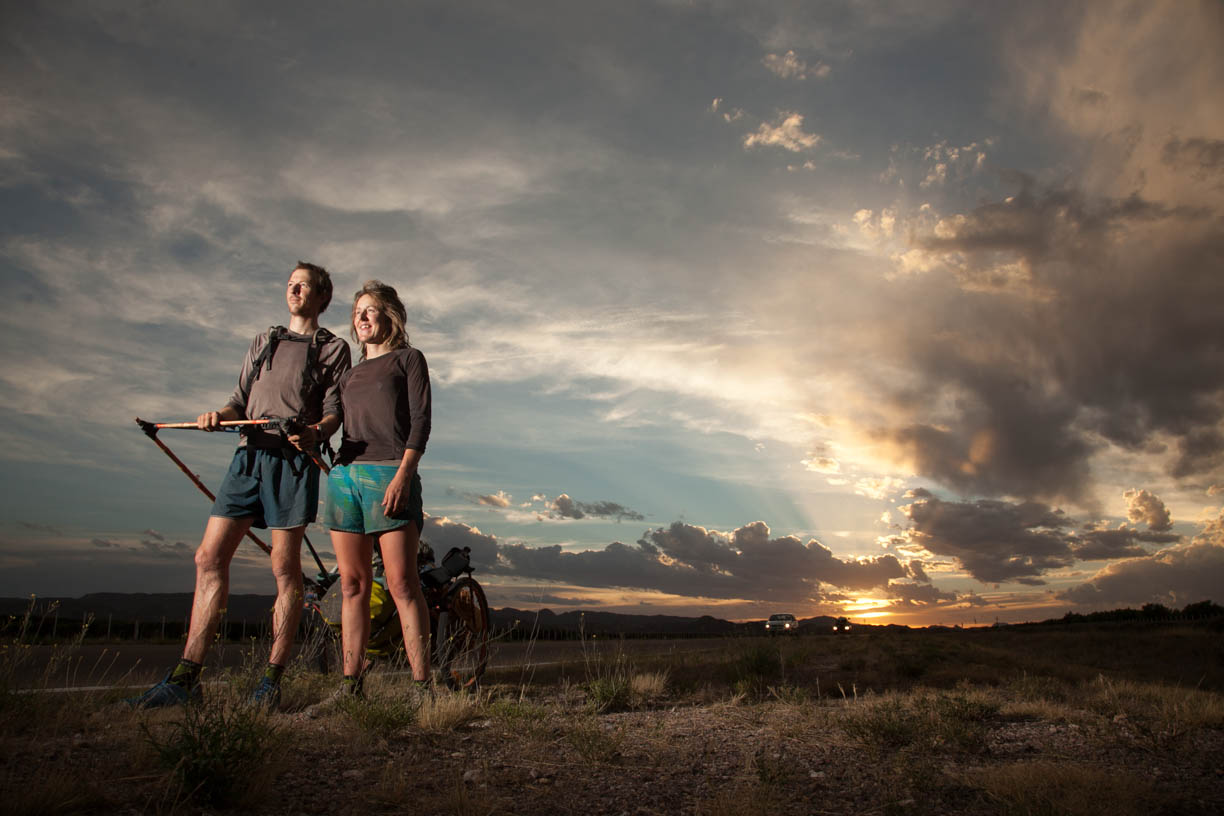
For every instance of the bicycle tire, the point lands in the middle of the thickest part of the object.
(320, 646)
(461, 647)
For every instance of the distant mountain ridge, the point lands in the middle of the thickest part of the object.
(177, 606)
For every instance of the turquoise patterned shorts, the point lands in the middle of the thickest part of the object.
(354, 500)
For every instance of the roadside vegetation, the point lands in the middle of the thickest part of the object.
(1074, 720)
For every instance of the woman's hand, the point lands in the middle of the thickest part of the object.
(395, 500)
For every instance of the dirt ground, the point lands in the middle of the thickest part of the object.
(1057, 723)
(505, 754)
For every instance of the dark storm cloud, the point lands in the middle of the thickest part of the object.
(917, 572)
(159, 546)
(1097, 545)
(993, 541)
(443, 534)
(38, 528)
(997, 541)
(1175, 576)
(914, 595)
(565, 507)
(1202, 157)
(682, 559)
(1074, 319)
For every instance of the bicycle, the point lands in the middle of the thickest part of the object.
(459, 624)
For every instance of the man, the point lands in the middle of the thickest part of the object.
(271, 481)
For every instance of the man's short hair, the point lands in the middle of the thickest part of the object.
(322, 283)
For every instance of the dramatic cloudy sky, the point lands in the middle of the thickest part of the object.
(906, 310)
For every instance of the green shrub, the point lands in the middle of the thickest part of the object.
(756, 668)
(594, 743)
(217, 752)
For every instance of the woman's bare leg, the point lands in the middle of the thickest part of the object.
(399, 551)
(353, 555)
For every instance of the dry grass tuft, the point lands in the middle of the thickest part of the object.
(1063, 789)
(447, 710)
(56, 791)
(648, 687)
(1155, 716)
(927, 720)
(459, 801)
(217, 753)
(741, 800)
(593, 741)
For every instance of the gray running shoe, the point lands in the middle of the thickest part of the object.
(267, 695)
(166, 694)
(335, 700)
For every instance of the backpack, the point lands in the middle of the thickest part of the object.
(310, 377)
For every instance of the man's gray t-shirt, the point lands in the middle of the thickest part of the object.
(277, 391)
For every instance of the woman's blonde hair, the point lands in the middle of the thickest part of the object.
(390, 305)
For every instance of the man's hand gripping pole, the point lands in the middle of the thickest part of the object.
(150, 430)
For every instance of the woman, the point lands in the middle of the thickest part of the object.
(374, 492)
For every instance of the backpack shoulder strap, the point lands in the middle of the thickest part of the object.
(264, 358)
(310, 377)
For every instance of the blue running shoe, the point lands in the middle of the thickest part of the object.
(266, 695)
(166, 694)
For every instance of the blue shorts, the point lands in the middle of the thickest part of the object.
(277, 488)
(354, 500)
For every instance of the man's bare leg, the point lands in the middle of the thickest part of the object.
(221, 539)
(287, 569)
(399, 549)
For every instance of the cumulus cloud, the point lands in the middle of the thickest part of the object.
(916, 595)
(498, 499)
(786, 132)
(790, 66)
(1144, 507)
(1020, 392)
(567, 508)
(103, 542)
(1070, 319)
(1174, 576)
(993, 541)
(680, 559)
(880, 487)
(1097, 545)
(997, 541)
(822, 464)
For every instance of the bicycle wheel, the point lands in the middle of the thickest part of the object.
(320, 646)
(461, 648)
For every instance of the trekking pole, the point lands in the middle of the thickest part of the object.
(237, 424)
(151, 428)
(193, 426)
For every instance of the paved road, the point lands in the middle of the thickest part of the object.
(132, 664)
